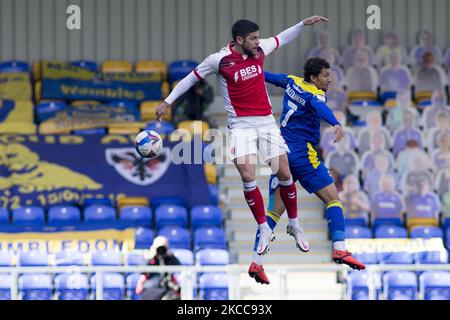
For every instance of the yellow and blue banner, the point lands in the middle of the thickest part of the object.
(16, 117)
(16, 86)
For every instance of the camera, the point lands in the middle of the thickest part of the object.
(161, 251)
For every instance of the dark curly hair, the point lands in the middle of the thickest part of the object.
(313, 67)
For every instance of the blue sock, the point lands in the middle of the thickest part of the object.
(272, 220)
(336, 222)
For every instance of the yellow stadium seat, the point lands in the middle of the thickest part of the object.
(362, 95)
(132, 201)
(211, 173)
(390, 103)
(152, 66)
(423, 95)
(116, 66)
(84, 102)
(37, 70)
(195, 127)
(165, 89)
(148, 111)
(414, 222)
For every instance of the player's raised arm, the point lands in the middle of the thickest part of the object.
(277, 79)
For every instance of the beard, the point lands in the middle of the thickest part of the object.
(248, 52)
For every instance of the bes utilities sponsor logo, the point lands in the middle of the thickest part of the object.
(247, 73)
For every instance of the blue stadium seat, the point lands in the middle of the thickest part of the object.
(35, 286)
(179, 69)
(213, 286)
(358, 285)
(209, 238)
(400, 285)
(6, 259)
(69, 258)
(113, 286)
(391, 232)
(158, 201)
(99, 213)
(396, 258)
(377, 222)
(431, 257)
(135, 260)
(97, 201)
(4, 216)
(170, 215)
(162, 127)
(143, 238)
(132, 280)
(356, 221)
(33, 258)
(358, 232)
(106, 258)
(367, 257)
(214, 193)
(206, 216)
(94, 131)
(64, 215)
(136, 216)
(86, 64)
(427, 232)
(46, 110)
(5, 286)
(179, 238)
(123, 103)
(185, 256)
(28, 216)
(72, 286)
(212, 257)
(435, 285)
(14, 66)
(447, 237)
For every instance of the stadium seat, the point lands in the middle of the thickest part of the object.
(28, 216)
(99, 213)
(358, 285)
(396, 258)
(212, 257)
(135, 259)
(87, 132)
(213, 286)
(113, 286)
(414, 222)
(148, 111)
(96, 201)
(387, 221)
(431, 257)
(116, 66)
(400, 285)
(106, 258)
(427, 232)
(162, 127)
(35, 286)
(5, 286)
(86, 64)
(210, 173)
(4, 216)
(64, 215)
(390, 231)
(158, 201)
(132, 201)
(125, 128)
(72, 286)
(179, 69)
(185, 256)
(206, 216)
(435, 285)
(358, 232)
(132, 280)
(209, 238)
(46, 110)
(214, 194)
(170, 215)
(14, 66)
(33, 258)
(6, 259)
(367, 257)
(152, 66)
(179, 238)
(136, 216)
(69, 258)
(143, 238)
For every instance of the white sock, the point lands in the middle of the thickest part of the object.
(294, 223)
(339, 245)
(263, 226)
(257, 259)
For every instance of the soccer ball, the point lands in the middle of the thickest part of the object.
(148, 144)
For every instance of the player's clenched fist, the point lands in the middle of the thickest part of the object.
(161, 110)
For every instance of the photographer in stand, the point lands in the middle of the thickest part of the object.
(159, 286)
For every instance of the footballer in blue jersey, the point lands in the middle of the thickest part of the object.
(304, 105)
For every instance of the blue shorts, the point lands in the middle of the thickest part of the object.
(306, 168)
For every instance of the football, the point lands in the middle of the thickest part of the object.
(148, 144)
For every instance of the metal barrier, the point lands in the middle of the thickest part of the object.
(188, 275)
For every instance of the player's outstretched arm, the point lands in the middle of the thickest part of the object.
(291, 33)
(277, 79)
(319, 104)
